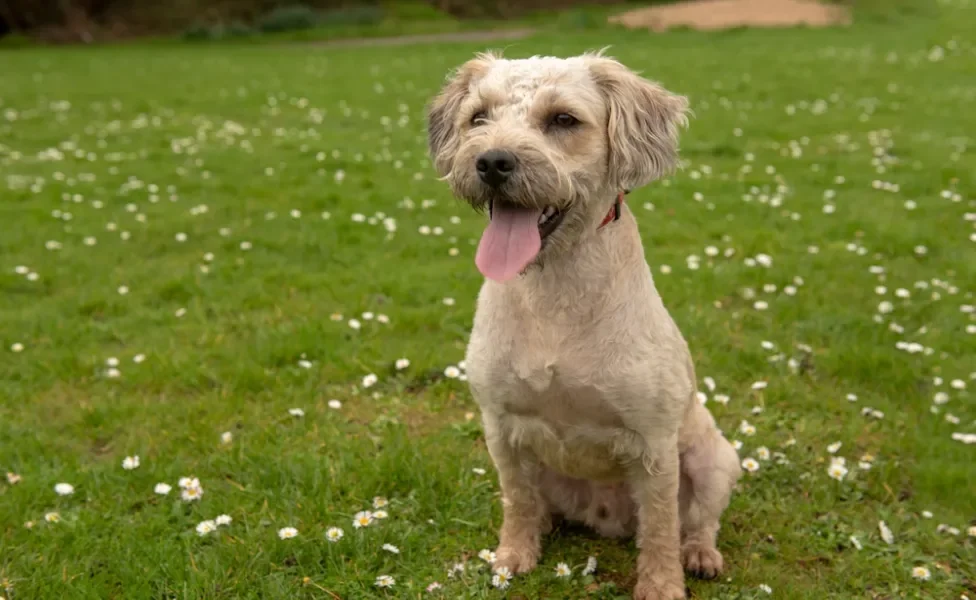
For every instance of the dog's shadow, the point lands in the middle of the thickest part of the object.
(564, 530)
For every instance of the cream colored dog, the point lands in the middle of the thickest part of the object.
(586, 386)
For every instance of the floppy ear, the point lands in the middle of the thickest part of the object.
(643, 124)
(442, 126)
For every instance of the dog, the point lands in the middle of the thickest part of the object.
(586, 386)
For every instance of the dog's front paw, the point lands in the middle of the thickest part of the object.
(517, 559)
(650, 589)
(702, 561)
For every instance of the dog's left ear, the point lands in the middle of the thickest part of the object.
(643, 124)
(442, 112)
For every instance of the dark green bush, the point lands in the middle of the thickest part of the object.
(196, 32)
(15, 40)
(234, 29)
(288, 18)
(354, 15)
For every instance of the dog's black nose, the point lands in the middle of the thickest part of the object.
(495, 166)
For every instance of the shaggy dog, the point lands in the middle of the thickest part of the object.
(586, 387)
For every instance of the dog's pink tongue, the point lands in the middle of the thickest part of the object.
(509, 243)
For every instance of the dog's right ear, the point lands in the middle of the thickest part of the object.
(442, 113)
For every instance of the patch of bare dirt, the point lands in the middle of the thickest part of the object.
(713, 15)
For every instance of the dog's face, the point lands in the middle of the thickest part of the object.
(545, 145)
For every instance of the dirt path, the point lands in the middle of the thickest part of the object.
(709, 15)
(430, 38)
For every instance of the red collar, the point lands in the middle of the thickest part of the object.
(614, 213)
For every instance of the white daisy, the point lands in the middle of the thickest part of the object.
(362, 519)
(130, 462)
(502, 578)
(765, 588)
(487, 555)
(380, 502)
(296, 412)
(205, 527)
(191, 494)
(380, 514)
(334, 534)
(563, 570)
(286, 533)
(223, 520)
(64, 489)
(391, 548)
(334, 404)
(402, 363)
(162, 488)
(837, 471)
(52, 517)
(370, 380)
(226, 437)
(921, 573)
(750, 464)
(746, 428)
(856, 542)
(385, 581)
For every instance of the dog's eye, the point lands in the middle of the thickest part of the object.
(479, 117)
(564, 120)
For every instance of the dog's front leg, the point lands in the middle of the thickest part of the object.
(524, 512)
(654, 482)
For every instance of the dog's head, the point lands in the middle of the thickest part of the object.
(545, 145)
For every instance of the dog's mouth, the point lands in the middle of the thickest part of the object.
(514, 238)
(549, 220)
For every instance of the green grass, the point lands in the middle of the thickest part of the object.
(232, 361)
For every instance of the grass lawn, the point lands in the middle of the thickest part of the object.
(201, 239)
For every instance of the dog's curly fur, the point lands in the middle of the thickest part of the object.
(586, 385)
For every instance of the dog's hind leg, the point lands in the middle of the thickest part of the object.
(709, 470)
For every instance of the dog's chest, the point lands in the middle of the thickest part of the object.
(550, 397)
